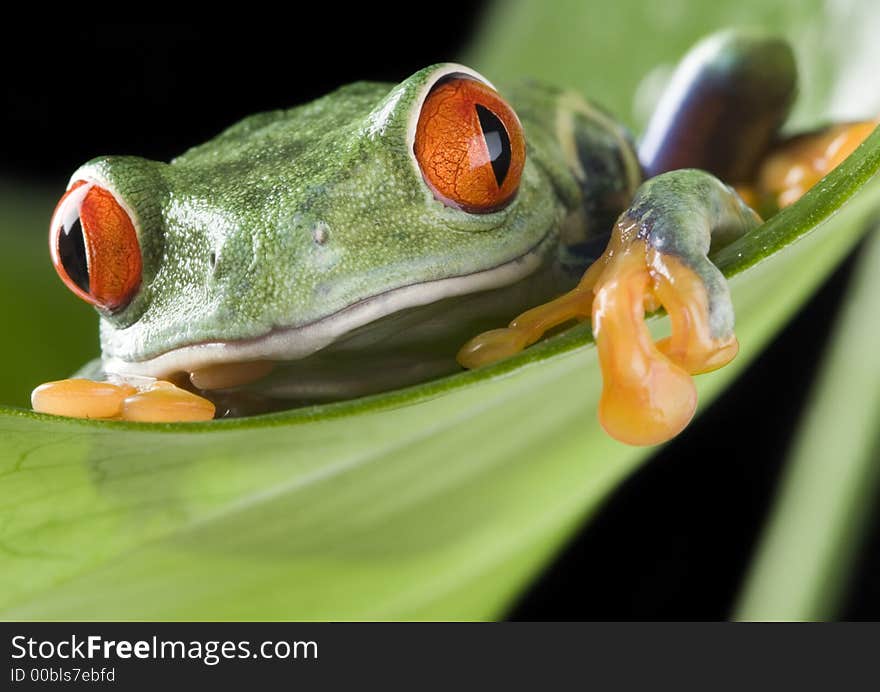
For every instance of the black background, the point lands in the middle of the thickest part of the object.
(675, 539)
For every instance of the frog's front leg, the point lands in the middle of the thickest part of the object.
(136, 399)
(657, 256)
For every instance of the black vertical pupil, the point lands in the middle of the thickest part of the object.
(72, 252)
(497, 141)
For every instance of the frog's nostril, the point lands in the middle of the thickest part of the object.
(320, 233)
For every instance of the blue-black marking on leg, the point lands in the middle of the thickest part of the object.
(606, 191)
(576, 257)
(723, 107)
(604, 186)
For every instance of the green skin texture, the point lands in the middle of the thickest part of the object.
(240, 198)
(291, 217)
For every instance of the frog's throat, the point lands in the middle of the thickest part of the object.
(294, 343)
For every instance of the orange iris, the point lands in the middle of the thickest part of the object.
(469, 145)
(94, 246)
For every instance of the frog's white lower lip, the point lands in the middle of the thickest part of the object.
(292, 343)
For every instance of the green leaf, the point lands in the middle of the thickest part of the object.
(800, 569)
(439, 501)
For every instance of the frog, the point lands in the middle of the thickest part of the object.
(377, 237)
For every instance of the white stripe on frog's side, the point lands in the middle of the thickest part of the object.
(294, 343)
(567, 143)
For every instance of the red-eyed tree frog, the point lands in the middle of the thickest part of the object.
(353, 244)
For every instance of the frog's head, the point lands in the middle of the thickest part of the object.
(293, 228)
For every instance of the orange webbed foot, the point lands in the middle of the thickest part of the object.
(130, 399)
(657, 256)
(798, 163)
(648, 394)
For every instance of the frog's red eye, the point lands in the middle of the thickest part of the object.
(94, 246)
(469, 145)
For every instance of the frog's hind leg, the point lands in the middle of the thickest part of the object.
(722, 108)
(722, 111)
(657, 256)
(796, 164)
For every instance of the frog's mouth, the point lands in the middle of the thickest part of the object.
(297, 342)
